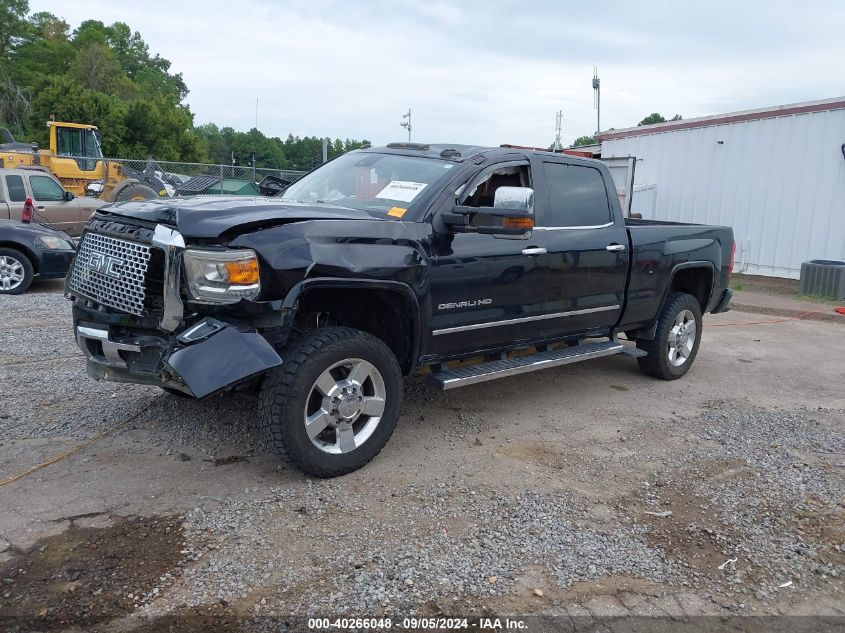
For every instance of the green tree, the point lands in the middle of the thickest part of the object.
(106, 75)
(583, 140)
(658, 118)
(68, 100)
(653, 118)
(95, 67)
(13, 24)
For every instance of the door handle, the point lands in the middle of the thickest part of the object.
(40, 208)
(534, 251)
(615, 248)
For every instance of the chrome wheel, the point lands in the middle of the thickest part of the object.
(344, 406)
(682, 338)
(11, 272)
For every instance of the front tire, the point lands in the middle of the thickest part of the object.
(334, 402)
(676, 340)
(16, 272)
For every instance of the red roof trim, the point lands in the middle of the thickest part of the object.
(672, 126)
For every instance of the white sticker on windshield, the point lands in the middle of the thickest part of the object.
(403, 190)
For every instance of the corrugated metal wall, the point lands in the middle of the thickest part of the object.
(780, 182)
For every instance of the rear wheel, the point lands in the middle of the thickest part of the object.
(135, 192)
(334, 402)
(16, 272)
(676, 339)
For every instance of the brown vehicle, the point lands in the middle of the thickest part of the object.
(53, 205)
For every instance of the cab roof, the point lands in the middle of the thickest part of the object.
(443, 151)
(78, 126)
(460, 153)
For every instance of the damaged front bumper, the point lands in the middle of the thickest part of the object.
(209, 356)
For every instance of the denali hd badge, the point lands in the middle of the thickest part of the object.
(465, 304)
(105, 264)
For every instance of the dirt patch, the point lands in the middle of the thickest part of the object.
(693, 533)
(758, 283)
(88, 575)
(193, 620)
(539, 453)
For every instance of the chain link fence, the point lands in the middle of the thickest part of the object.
(167, 178)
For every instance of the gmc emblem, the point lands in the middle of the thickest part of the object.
(105, 264)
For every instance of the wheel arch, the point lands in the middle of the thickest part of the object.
(24, 250)
(351, 299)
(695, 278)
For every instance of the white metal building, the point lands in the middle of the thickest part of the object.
(777, 175)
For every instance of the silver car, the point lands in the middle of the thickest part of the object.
(54, 206)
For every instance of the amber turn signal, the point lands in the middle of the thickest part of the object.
(242, 272)
(518, 223)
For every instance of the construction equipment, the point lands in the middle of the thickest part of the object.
(76, 159)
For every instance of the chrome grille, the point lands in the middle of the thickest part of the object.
(111, 272)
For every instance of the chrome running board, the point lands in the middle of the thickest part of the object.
(462, 376)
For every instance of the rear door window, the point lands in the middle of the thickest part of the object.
(577, 196)
(17, 192)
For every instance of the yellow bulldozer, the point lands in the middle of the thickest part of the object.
(76, 159)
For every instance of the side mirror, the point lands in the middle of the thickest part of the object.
(68, 196)
(512, 213)
(518, 198)
(94, 189)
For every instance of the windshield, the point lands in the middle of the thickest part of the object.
(384, 183)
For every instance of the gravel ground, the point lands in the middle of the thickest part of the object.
(617, 494)
(459, 544)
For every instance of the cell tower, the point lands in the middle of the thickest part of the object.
(597, 97)
(558, 129)
(407, 124)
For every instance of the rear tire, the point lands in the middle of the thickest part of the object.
(135, 192)
(676, 340)
(334, 402)
(16, 272)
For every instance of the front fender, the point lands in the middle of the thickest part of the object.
(402, 289)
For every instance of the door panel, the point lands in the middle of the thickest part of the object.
(485, 292)
(587, 249)
(48, 196)
(585, 279)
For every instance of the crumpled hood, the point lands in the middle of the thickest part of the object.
(211, 216)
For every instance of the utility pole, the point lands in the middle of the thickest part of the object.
(325, 149)
(407, 124)
(256, 113)
(558, 128)
(597, 97)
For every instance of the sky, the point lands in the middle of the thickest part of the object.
(481, 72)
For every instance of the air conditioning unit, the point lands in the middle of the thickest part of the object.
(823, 278)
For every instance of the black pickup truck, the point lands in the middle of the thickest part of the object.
(380, 262)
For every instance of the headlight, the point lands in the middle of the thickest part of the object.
(53, 243)
(222, 276)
